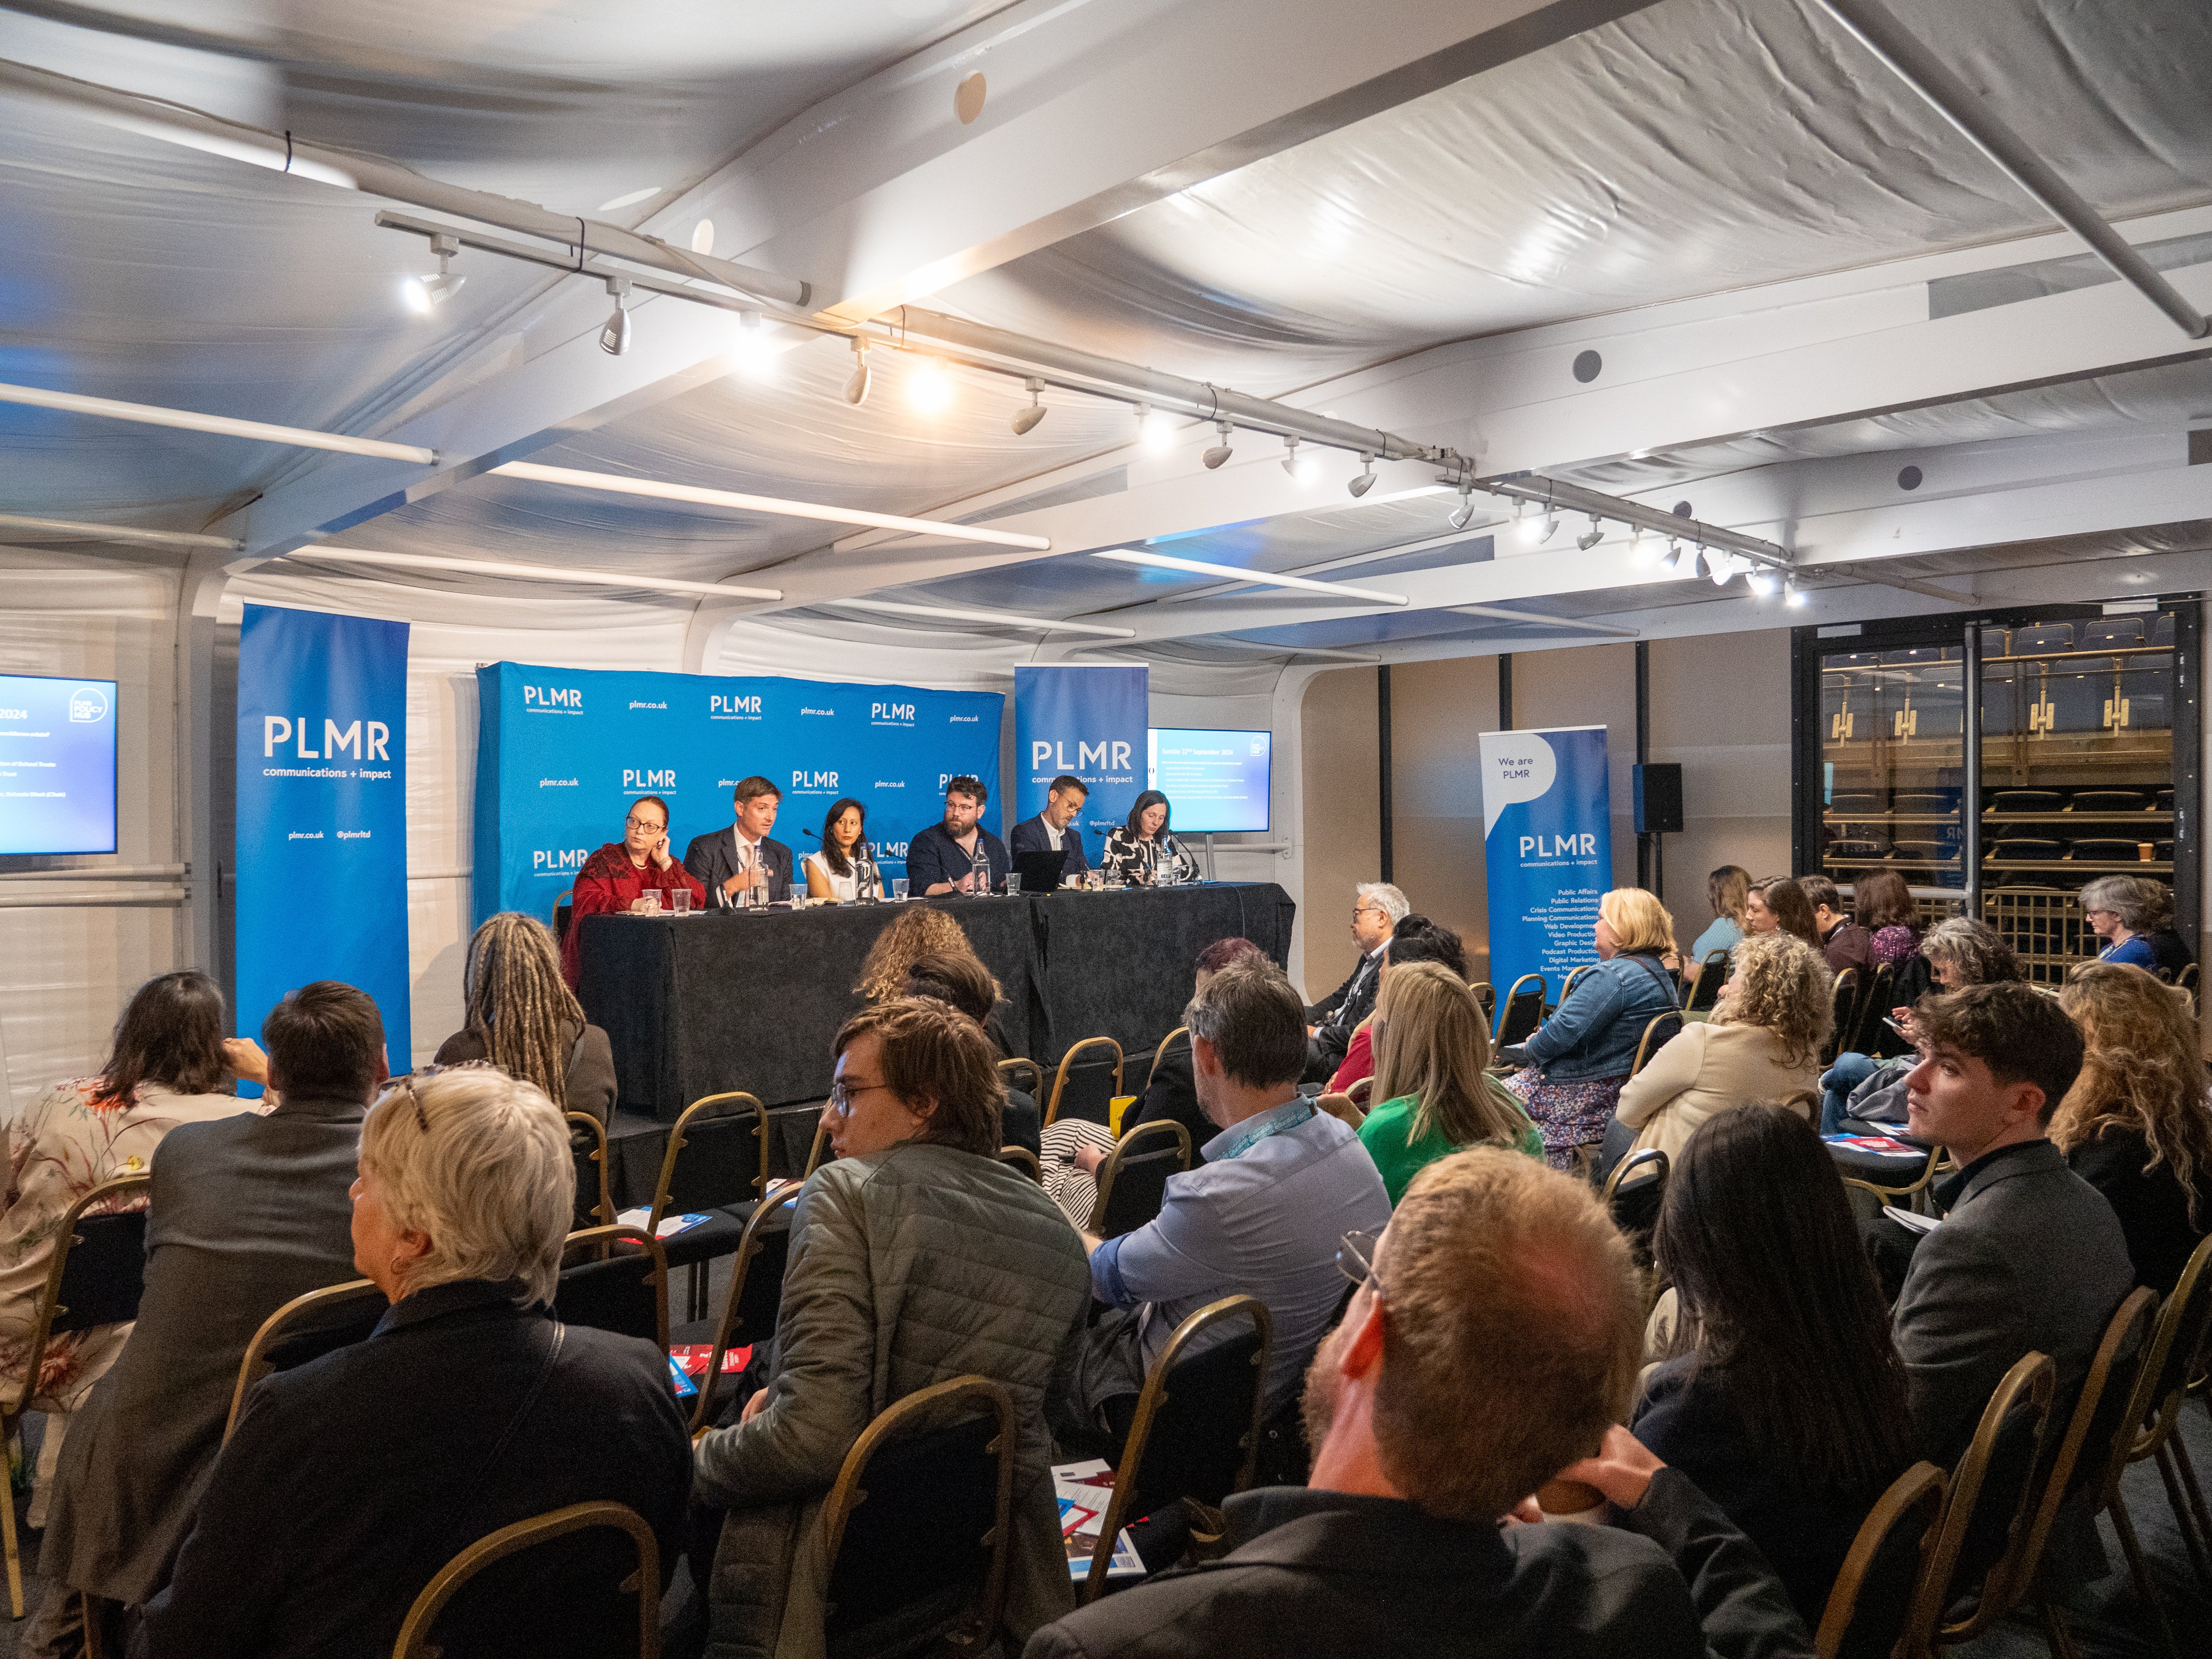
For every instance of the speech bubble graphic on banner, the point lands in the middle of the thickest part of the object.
(1517, 766)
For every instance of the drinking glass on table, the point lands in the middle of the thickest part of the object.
(898, 887)
(1014, 885)
(681, 897)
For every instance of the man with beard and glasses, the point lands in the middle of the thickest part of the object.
(1488, 1352)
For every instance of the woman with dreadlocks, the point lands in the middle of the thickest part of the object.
(523, 1018)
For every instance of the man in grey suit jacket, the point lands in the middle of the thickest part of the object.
(246, 1213)
(2030, 1257)
(737, 863)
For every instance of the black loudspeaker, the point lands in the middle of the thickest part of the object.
(1659, 798)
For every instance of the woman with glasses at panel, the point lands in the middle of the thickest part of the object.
(1142, 851)
(622, 872)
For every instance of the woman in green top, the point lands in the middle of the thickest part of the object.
(1431, 1048)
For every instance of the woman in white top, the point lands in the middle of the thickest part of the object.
(843, 869)
(1143, 851)
(1761, 1045)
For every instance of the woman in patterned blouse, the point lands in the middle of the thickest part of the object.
(1142, 851)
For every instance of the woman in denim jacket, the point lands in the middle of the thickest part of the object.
(1579, 1058)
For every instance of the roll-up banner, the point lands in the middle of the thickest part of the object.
(562, 752)
(1547, 844)
(322, 813)
(1089, 723)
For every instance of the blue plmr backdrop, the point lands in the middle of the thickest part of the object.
(1090, 724)
(562, 753)
(1547, 848)
(322, 813)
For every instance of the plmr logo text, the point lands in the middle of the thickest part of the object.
(336, 739)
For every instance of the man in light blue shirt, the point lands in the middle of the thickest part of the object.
(1263, 1216)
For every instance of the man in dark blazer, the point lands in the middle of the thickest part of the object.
(2030, 1256)
(1375, 907)
(1394, 1546)
(1055, 829)
(741, 865)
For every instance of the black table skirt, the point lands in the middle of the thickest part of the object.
(693, 1005)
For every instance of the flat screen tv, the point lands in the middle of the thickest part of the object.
(1215, 781)
(56, 764)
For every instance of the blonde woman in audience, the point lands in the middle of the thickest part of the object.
(2136, 1125)
(168, 1064)
(1431, 1052)
(1763, 1042)
(1575, 1064)
(523, 1018)
(1728, 891)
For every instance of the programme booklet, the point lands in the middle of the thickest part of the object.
(1084, 1489)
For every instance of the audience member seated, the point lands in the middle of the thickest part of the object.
(2136, 1125)
(350, 1480)
(2172, 951)
(1395, 1546)
(1376, 907)
(523, 1018)
(959, 977)
(1262, 1217)
(246, 1213)
(916, 1257)
(1960, 952)
(2113, 909)
(1778, 904)
(1414, 939)
(1882, 904)
(1576, 1063)
(2030, 1257)
(1432, 1084)
(1762, 1042)
(1785, 1401)
(915, 931)
(622, 872)
(1728, 891)
(168, 1064)
(1843, 941)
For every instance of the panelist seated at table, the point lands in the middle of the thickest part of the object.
(942, 858)
(1143, 851)
(620, 872)
(743, 864)
(843, 868)
(1055, 829)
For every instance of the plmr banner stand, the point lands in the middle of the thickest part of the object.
(1547, 842)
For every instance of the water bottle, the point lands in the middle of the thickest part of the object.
(979, 862)
(870, 884)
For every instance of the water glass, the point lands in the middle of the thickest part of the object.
(1014, 885)
(681, 897)
(898, 887)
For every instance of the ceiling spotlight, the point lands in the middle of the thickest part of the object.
(856, 388)
(1721, 567)
(1591, 537)
(1365, 481)
(614, 338)
(1155, 427)
(929, 388)
(1537, 530)
(1300, 467)
(1459, 516)
(1792, 594)
(424, 294)
(1025, 420)
(1221, 451)
(1763, 582)
(1643, 548)
(1680, 561)
(752, 352)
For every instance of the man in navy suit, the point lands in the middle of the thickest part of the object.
(1051, 829)
(741, 865)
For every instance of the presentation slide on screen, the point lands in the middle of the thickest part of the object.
(57, 765)
(1217, 782)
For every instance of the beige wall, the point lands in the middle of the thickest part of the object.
(1590, 685)
(1437, 708)
(1340, 817)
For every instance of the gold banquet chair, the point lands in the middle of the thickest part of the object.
(644, 1583)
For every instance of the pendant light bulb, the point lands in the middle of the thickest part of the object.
(1025, 420)
(1214, 458)
(856, 388)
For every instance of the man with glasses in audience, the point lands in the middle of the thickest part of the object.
(1375, 907)
(614, 879)
(1488, 1354)
(1260, 1217)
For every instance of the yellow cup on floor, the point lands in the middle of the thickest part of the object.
(1115, 1109)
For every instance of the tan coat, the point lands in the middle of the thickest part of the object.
(1707, 1069)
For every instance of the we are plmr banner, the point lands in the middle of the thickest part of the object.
(322, 813)
(1547, 844)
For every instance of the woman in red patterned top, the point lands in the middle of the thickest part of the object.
(618, 874)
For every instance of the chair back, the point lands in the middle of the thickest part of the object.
(1022, 1158)
(1522, 1012)
(1635, 1189)
(643, 1582)
(1486, 997)
(2187, 980)
(1874, 1008)
(814, 1152)
(307, 1328)
(1088, 1077)
(1713, 974)
(2013, 1431)
(587, 1140)
(1805, 1103)
(717, 1155)
(1133, 1183)
(1845, 1004)
(1196, 1433)
(937, 1467)
(1181, 1034)
(1568, 989)
(614, 1279)
(1658, 1031)
(94, 1276)
(1892, 1544)
(755, 1298)
(2162, 1379)
(1341, 1108)
(1362, 1090)
(1024, 1074)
